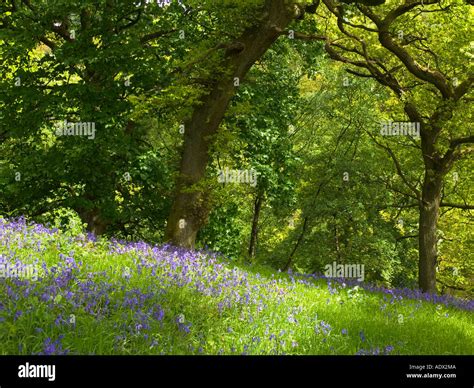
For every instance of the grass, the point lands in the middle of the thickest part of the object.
(107, 297)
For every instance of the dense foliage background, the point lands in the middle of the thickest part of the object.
(305, 115)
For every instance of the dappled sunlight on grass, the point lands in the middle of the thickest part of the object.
(101, 297)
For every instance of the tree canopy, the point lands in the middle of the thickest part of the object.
(290, 133)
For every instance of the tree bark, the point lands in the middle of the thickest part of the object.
(189, 210)
(95, 222)
(428, 220)
(429, 204)
(254, 232)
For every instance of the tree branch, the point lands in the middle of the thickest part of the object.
(407, 236)
(155, 35)
(457, 205)
(433, 77)
(397, 166)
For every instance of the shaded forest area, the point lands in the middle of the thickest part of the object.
(293, 134)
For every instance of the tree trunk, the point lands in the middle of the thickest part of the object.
(336, 240)
(428, 220)
(95, 222)
(298, 242)
(189, 210)
(254, 232)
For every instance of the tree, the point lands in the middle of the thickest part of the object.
(432, 82)
(92, 62)
(189, 210)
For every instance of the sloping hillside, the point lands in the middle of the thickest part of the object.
(65, 294)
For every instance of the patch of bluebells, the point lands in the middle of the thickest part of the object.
(182, 325)
(395, 293)
(51, 347)
(323, 328)
(375, 351)
(70, 287)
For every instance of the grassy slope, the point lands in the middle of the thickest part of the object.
(110, 298)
